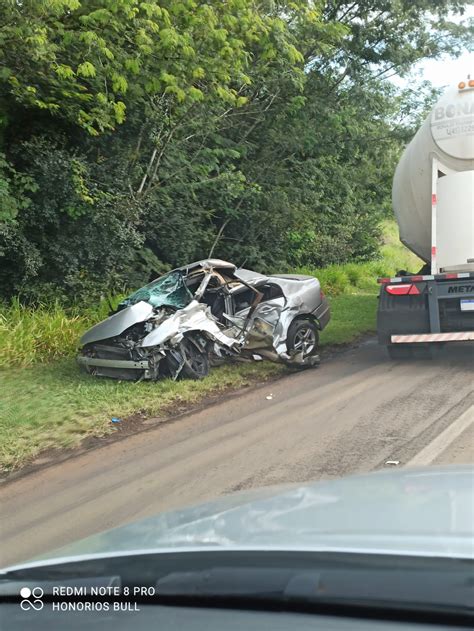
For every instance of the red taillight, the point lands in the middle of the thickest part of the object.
(323, 295)
(403, 290)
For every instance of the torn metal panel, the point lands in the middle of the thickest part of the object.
(302, 295)
(207, 264)
(118, 323)
(195, 317)
(302, 292)
(249, 276)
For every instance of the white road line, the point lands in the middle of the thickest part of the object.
(429, 453)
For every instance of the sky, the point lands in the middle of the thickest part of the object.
(445, 71)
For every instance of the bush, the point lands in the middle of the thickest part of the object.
(355, 273)
(334, 280)
(350, 277)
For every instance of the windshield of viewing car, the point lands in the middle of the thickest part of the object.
(168, 291)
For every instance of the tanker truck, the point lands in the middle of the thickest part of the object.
(433, 202)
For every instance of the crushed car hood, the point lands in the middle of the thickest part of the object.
(422, 512)
(118, 323)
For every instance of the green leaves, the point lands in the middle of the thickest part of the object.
(86, 69)
(14, 190)
(119, 83)
(71, 50)
(66, 72)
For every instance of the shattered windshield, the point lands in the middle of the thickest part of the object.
(168, 291)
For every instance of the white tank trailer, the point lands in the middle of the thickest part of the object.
(433, 201)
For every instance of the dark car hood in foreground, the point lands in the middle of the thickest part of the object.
(427, 512)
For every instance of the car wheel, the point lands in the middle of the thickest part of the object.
(303, 337)
(196, 362)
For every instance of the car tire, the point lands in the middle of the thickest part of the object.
(196, 361)
(301, 332)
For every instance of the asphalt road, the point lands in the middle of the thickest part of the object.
(353, 414)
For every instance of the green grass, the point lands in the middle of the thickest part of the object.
(47, 402)
(56, 405)
(351, 316)
(47, 332)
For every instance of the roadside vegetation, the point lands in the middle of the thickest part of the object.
(47, 402)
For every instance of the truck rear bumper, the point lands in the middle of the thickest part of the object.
(459, 336)
(425, 311)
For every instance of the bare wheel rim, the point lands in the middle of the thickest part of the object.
(305, 341)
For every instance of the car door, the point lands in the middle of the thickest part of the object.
(259, 320)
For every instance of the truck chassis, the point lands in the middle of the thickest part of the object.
(417, 313)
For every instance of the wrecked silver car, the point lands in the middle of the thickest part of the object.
(204, 313)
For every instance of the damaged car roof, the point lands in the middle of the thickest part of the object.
(206, 264)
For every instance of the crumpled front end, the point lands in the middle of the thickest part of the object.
(157, 346)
